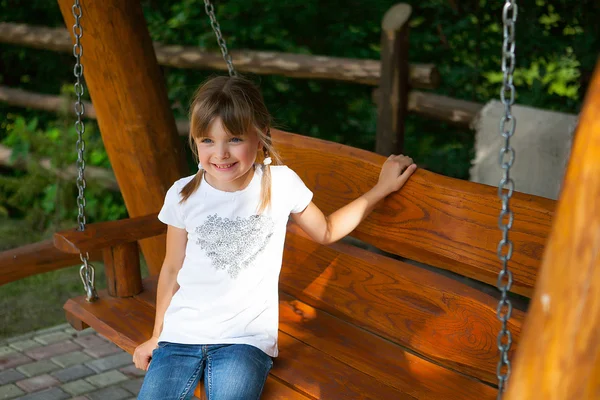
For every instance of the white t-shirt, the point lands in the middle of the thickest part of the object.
(229, 279)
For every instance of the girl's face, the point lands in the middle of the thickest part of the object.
(227, 160)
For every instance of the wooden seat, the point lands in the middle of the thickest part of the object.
(354, 323)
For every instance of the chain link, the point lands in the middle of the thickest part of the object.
(505, 220)
(210, 11)
(87, 271)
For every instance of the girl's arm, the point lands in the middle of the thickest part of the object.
(167, 280)
(167, 287)
(394, 173)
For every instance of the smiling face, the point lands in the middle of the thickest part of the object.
(226, 159)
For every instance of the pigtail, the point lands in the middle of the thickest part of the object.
(191, 186)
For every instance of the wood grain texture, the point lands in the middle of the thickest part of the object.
(377, 357)
(102, 235)
(441, 221)
(432, 315)
(130, 99)
(560, 353)
(123, 273)
(36, 258)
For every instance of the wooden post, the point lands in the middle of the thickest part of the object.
(131, 104)
(559, 353)
(394, 80)
(122, 266)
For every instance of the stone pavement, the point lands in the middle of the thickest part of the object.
(60, 363)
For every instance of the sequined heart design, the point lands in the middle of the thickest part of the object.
(233, 244)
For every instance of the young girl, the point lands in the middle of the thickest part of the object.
(217, 302)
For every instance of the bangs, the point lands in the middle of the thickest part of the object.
(235, 112)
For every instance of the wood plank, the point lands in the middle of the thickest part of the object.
(382, 359)
(433, 219)
(377, 357)
(102, 235)
(560, 353)
(433, 315)
(123, 272)
(425, 76)
(36, 258)
(128, 322)
(131, 103)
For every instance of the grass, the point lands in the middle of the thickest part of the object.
(36, 302)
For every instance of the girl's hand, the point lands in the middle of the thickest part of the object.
(395, 172)
(143, 353)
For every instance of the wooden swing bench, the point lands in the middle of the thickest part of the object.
(355, 323)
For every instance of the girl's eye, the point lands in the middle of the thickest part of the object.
(236, 140)
(205, 140)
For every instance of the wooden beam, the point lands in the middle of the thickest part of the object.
(36, 258)
(394, 82)
(130, 100)
(367, 72)
(559, 354)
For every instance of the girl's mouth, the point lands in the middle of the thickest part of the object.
(224, 167)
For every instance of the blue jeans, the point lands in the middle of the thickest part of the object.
(231, 371)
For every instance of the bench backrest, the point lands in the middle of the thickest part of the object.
(440, 221)
(436, 220)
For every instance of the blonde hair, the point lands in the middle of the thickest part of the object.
(240, 105)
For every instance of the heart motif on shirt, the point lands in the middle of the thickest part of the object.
(233, 244)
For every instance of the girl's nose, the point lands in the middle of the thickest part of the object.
(223, 151)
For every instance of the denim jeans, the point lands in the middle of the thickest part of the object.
(231, 371)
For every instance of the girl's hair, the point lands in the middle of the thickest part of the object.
(242, 110)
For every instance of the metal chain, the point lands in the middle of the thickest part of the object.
(210, 11)
(506, 218)
(87, 271)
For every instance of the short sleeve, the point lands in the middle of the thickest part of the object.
(170, 213)
(299, 194)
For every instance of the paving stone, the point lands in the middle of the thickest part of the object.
(78, 387)
(52, 350)
(38, 368)
(133, 386)
(110, 362)
(72, 373)
(10, 376)
(53, 337)
(5, 350)
(37, 383)
(25, 344)
(103, 350)
(90, 341)
(110, 393)
(50, 394)
(13, 360)
(51, 329)
(132, 371)
(81, 398)
(19, 338)
(10, 391)
(66, 360)
(106, 378)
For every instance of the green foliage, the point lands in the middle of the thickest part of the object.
(43, 195)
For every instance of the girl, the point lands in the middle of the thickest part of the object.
(217, 299)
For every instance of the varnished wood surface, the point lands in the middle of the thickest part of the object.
(102, 235)
(122, 267)
(36, 258)
(377, 357)
(321, 356)
(441, 221)
(435, 316)
(130, 99)
(560, 353)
